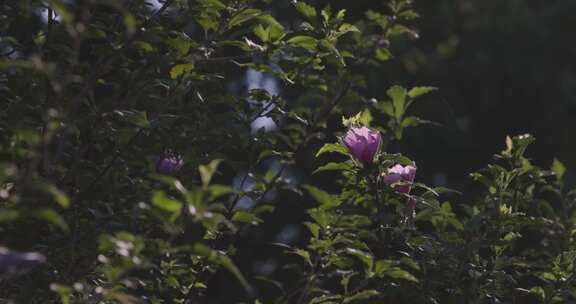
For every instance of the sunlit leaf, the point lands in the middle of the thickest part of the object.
(325, 199)
(333, 167)
(398, 95)
(160, 200)
(419, 91)
(243, 16)
(305, 9)
(207, 171)
(181, 69)
(52, 217)
(306, 42)
(336, 148)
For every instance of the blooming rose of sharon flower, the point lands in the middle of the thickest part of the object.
(363, 144)
(400, 173)
(169, 164)
(13, 261)
(405, 174)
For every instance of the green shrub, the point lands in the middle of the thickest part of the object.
(219, 151)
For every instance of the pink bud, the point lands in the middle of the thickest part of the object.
(169, 163)
(399, 173)
(363, 144)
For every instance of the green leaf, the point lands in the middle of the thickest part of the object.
(313, 228)
(213, 3)
(307, 10)
(539, 291)
(137, 118)
(386, 107)
(207, 171)
(362, 296)
(382, 265)
(320, 216)
(243, 16)
(382, 54)
(441, 190)
(160, 200)
(181, 69)
(58, 195)
(419, 91)
(53, 217)
(548, 276)
(263, 34)
(263, 209)
(332, 48)
(336, 148)
(270, 175)
(130, 23)
(326, 13)
(333, 167)
(387, 268)
(347, 28)
(413, 121)
(366, 117)
(144, 46)
(266, 154)
(558, 168)
(222, 259)
(181, 43)
(305, 255)
(64, 292)
(397, 273)
(340, 15)
(366, 258)
(353, 121)
(325, 199)
(398, 95)
(276, 33)
(409, 15)
(307, 42)
(208, 21)
(219, 190)
(271, 21)
(61, 11)
(246, 217)
(517, 145)
(326, 299)
(455, 222)
(140, 119)
(345, 281)
(7, 215)
(382, 20)
(276, 71)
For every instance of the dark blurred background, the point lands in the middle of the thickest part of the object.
(502, 68)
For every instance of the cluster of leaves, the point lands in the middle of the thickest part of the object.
(513, 244)
(92, 91)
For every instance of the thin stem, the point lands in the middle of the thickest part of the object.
(113, 160)
(238, 195)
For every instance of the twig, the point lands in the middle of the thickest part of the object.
(113, 160)
(238, 195)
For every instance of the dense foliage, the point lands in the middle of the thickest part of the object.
(212, 151)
